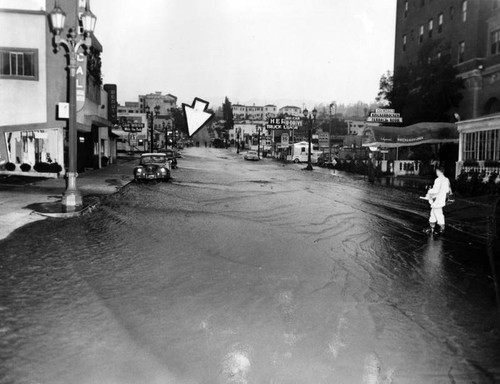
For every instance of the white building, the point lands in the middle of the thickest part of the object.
(290, 110)
(34, 82)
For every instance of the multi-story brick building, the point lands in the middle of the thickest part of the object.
(468, 31)
(165, 102)
(129, 107)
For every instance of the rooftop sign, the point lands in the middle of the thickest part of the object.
(383, 115)
(289, 122)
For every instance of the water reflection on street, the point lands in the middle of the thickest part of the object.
(241, 272)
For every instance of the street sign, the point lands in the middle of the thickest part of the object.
(285, 140)
(324, 139)
(132, 127)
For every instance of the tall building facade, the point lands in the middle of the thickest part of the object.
(151, 100)
(466, 30)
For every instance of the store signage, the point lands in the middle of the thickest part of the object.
(383, 115)
(289, 122)
(132, 127)
(324, 139)
(112, 102)
(285, 140)
(81, 70)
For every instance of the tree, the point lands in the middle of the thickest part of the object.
(426, 91)
(227, 114)
(178, 120)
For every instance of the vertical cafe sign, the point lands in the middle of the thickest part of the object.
(112, 102)
(81, 61)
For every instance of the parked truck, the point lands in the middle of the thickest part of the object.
(300, 150)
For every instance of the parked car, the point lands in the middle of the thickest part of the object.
(172, 156)
(326, 161)
(153, 166)
(251, 155)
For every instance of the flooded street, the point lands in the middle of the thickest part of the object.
(247, 272)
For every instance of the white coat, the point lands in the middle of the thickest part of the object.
(438, 192)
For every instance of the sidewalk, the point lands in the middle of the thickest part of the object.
(19, 195)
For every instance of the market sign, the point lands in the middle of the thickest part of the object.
(383, 115)
(289, 122)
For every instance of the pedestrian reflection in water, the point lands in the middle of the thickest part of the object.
(433, 259)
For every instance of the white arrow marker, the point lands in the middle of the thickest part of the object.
(196, 117)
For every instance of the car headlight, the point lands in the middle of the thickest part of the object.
(163, 170)
(139, 170)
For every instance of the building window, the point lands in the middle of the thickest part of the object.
(464, 11)
(452, 13)
(440, 23)
(18, 63)
(431, 25)
(495, 42)
(461, 52)
(482, 145)
(421, 34)
(438, 55)
(404, 43)
(406, 9)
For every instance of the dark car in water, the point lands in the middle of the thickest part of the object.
(325, 160)
(153, 166)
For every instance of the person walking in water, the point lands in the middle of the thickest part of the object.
(437, 199)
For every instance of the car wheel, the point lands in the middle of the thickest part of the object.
(296, 161)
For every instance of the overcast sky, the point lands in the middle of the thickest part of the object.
(262, 51)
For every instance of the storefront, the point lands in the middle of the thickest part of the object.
(398, 145)
(31, 152)
(479, 145)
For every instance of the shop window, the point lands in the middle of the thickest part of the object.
(421, 34)
(464, 11)
(18, 63)
(431, 26)
(440, 23)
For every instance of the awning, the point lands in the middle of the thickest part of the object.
(97, 120)
(416, 134)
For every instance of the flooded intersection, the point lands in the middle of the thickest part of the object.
(240, 272)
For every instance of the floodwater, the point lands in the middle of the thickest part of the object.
(247, 272)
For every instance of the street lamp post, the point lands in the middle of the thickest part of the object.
(333, 107)
(309, 120)
(258, 141)
(73, 42)
(150, 117)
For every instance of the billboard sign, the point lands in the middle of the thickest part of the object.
(383, 115)
(288, 122)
